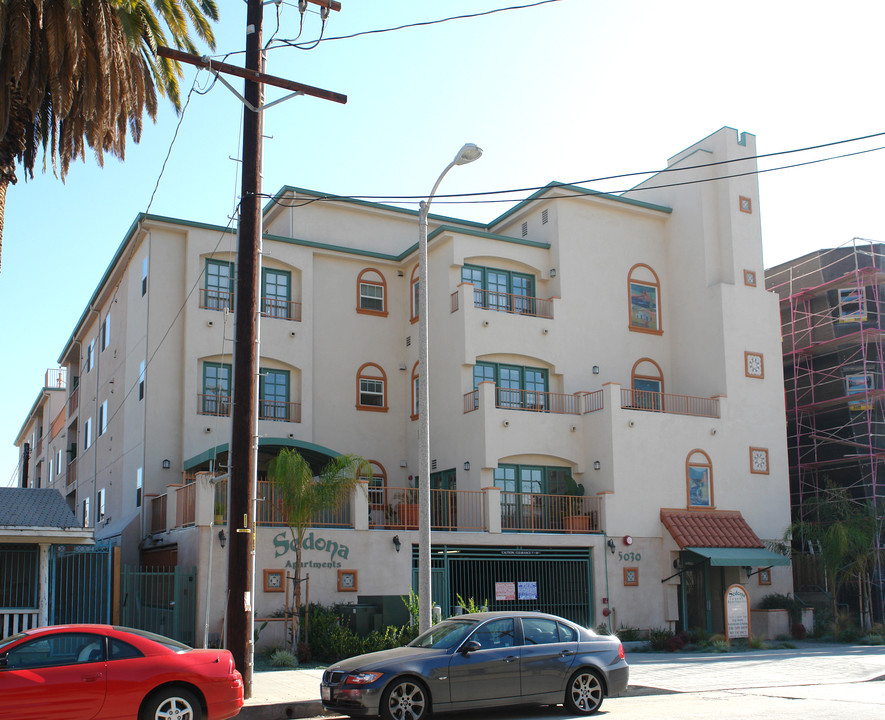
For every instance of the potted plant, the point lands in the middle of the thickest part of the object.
(574, 518)
(408, 508)
(391, 517)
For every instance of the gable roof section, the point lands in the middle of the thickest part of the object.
(35, 508)
(709, 529)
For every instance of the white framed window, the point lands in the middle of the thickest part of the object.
(144, 274)
(87, 434)
(141, 381)
(371, 388)
(58, 461)
(103, 418)
(99, 506)
(139, 486)
(90, 354)
(852, 305)
(106, 332)
(85, 512)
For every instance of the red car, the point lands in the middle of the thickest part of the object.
(80, 672)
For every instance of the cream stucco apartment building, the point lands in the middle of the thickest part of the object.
(607, 411)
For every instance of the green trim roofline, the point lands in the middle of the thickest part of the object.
(579, 191)
(214, 451)
(30, 414)
(365, 203)
(449, 225)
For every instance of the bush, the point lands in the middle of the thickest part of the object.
(283, 658)
(658, 637)
(798, 631)
(675, 643)
(719, 645)
(602, 629)
(331, 639)
(629, 634)
(779, 601)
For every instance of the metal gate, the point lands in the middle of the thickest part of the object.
(80, 584)
(553, 580)
(160, 600)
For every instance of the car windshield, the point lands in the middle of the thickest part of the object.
(159, 639)
(11, 639)
(444, 635)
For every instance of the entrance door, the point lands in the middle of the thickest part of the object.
(443, 500)
(694, 598)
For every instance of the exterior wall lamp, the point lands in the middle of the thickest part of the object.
(166, 464)
(396, 542)
(596, 465)
(222, 538)
(466, 465)
(596, 369)
(611, 545)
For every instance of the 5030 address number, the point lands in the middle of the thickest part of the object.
(630, 556)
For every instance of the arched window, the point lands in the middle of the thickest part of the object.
(416, 387)
(371, 293)
(377, 486)
(371, 388)
(647, 382)
(413, 294)
(699, 479)
(644, 293)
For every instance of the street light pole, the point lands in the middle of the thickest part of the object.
(466, 154)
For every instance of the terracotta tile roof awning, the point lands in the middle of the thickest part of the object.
(709, 529)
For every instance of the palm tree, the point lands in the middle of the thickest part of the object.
(83, 72)
(300, 497)
(845, 531)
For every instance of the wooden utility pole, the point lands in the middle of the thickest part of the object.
(243, 456)
(240, 603)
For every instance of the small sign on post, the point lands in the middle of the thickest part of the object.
(737, 613)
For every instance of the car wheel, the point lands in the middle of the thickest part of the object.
(172, 704)
(584, 692)
(405, 699)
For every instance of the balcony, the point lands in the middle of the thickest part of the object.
(213, 404)
(509, 303)
(56, 378)
(72, 472)
(270, 307)
(283, 309)
(531, 512)
(673, 404)
(216, 300)
(578, 403)
(58, 423)
(186, 505)
(452, 510)
(279, 411)
(158, 513)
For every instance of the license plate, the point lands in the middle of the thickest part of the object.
(326, 693)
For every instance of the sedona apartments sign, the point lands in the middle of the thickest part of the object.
(331, 550)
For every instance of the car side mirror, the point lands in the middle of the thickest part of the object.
(470, 646)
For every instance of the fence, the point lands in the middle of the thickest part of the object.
(159, 600)
(81, 585)
(534, 512)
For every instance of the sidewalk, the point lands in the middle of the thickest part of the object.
(288, 694)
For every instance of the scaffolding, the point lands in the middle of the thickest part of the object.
(832, 325)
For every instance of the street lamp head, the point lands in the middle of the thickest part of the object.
(468, 154)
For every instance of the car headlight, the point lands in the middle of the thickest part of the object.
(363, 678)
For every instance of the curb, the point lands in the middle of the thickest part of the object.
(281, 711)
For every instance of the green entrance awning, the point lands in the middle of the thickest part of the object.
(740, 557)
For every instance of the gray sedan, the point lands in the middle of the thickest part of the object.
(481, 660)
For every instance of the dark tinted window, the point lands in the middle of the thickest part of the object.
(567, 633)
(59, 649)
(496, 634)
(161, 639)
(539, 631)
(122, 650)
(444, 635)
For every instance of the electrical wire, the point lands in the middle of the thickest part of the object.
(453, 198)
(423, 23)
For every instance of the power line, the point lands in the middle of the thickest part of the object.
(454, 197)
(578, 183)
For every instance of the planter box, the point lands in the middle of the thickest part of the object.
(769, 624)
(576, 523)
(408, 515)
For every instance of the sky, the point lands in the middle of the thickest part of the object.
(564, 91)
